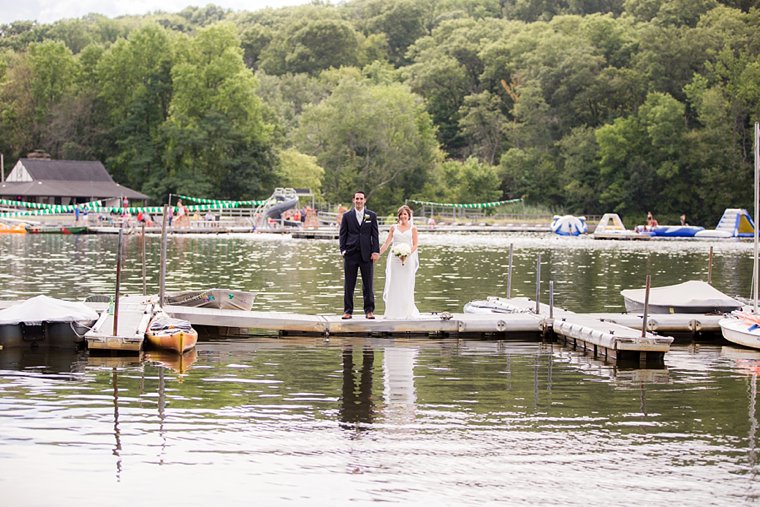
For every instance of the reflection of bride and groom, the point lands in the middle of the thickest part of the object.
(360, 248)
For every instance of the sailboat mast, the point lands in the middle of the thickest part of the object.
(757, 205)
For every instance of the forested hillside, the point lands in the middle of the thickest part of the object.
(582, 106)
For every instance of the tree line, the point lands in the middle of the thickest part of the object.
(578, 106)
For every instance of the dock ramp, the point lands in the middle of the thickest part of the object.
(135, 313)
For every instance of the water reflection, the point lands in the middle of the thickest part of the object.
(357, 407)
(304, 276)
(116, 431)
(748, 362)
(398, 385)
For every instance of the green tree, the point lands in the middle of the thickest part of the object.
(311, 46)
(374, 137)
(217, 140)
(135, 87)
(298, 170)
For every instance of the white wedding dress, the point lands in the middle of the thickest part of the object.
(399, 280)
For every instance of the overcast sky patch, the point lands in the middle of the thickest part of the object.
(47, 11)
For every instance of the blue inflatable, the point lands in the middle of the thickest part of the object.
(569, 225)
(676, 231)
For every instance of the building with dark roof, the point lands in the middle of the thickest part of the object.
(64, 182)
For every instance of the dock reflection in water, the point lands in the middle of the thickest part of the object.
(400, 420)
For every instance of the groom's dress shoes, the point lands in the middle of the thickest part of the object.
(370, 315)
(346, 316)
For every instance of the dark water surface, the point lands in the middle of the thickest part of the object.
(271, 421)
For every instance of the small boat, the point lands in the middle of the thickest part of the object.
(693, 296)
(56, 229)
(45, 320)
(12, 229)
(742, 329)
(165, 332)
(225, 299)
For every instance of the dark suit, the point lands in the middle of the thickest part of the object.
(357, 244)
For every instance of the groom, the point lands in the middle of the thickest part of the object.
(360, 248)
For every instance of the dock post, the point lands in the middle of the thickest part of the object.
(645, 324)
(162, 267)
(538, 285)
(551, 299)
(118, 282)
(509, 272)
(709, 266)
(142, 235)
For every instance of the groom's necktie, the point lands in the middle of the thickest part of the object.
(360, 216)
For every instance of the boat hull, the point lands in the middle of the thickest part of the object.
(224, 299)
(63, 229)
(741, 332)
(49, 334)
(178, 340)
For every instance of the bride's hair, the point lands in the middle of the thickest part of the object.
(406, 208)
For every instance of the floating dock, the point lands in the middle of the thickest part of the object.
(606, 336)
(440, 324)
(135, 313)
(601, 338)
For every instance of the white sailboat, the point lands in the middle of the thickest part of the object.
(743, 328)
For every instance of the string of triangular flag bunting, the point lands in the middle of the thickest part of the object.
(469, 205)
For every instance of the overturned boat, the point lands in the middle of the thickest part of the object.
(43, 320)
(693, 296)
(225, 299)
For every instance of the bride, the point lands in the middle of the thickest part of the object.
(401, 269)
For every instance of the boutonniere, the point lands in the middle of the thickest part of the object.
(367, 218)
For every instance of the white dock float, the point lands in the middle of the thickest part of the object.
(432, 323)
(665, 323)
(135, 313)
(603, 338)
(606, 339)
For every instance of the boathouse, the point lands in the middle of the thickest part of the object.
(48, 181)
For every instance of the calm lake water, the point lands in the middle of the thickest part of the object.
(274, 421)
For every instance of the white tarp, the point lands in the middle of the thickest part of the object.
(40, 309)
(693, 293)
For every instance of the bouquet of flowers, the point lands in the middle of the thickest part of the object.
(402, 251)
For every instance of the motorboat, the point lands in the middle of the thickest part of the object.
(43, 320)
(693, 296)
(168, 333)
(225, 299)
